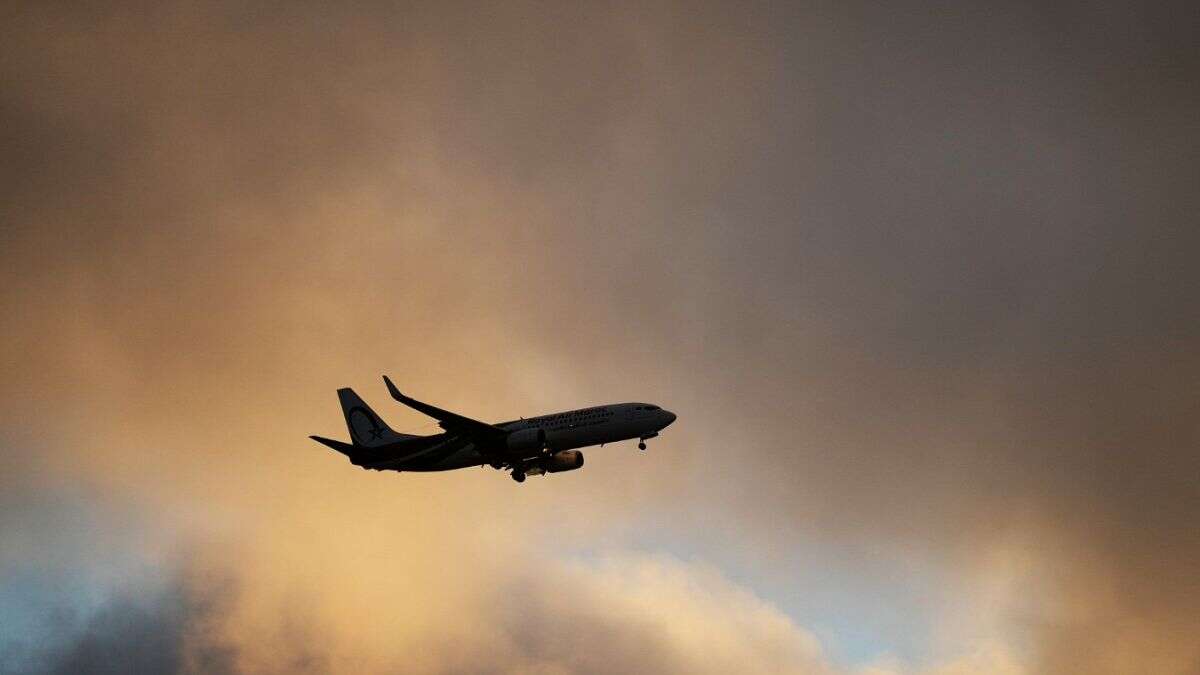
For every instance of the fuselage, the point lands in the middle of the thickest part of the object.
(568, 430)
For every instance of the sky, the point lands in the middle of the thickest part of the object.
(919, 281)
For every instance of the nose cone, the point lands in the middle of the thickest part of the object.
(668, 418)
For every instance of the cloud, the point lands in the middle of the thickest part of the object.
(631, 612)
(619, 611)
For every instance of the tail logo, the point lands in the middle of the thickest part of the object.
(364, 426)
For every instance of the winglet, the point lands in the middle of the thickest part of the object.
(393, 390)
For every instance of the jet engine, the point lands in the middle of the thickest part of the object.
(525, 442)
(567, 460)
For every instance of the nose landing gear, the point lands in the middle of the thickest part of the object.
(643, 439)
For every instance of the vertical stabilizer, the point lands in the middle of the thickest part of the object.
(366, 428)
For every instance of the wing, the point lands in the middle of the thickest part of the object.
(448, 420)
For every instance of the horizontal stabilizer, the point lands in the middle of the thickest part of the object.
(344, 448)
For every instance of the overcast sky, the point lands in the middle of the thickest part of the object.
(919, 280)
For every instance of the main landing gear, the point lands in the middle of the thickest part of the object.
(518, 475)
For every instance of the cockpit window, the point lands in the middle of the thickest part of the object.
(651, 407)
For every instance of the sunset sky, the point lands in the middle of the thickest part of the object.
(919, 279)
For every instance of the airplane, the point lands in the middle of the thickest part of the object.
(527, 447)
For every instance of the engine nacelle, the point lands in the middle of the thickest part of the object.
(526, 442)
(567, 460)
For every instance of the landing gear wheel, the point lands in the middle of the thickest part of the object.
(641, 445)
(519, 476)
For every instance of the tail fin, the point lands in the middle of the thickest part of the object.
(366, 428)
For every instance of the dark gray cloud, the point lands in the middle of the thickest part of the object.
(86, 585)
(128, 635)
(173, 627)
